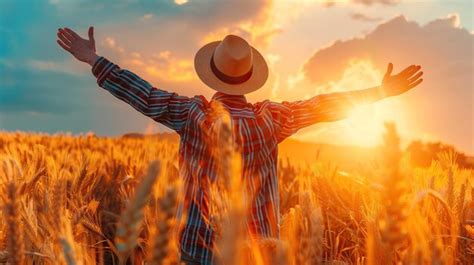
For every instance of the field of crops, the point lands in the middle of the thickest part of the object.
(89, 200)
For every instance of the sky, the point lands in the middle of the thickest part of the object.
(311, 47)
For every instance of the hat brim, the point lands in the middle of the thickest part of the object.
(202, 66)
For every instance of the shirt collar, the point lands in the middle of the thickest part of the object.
(230, 100)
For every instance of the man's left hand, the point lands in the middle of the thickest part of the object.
(393, 85)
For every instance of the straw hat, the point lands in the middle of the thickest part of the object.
(231, 66)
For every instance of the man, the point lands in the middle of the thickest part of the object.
(233, 68)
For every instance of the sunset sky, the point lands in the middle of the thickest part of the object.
(312, 47)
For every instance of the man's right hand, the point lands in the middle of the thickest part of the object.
(82, 49)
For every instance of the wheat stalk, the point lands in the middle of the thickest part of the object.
(393, 232)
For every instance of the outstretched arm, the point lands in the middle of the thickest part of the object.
(289, 117)
(167, 108)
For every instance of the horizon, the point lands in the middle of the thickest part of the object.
(403, 144)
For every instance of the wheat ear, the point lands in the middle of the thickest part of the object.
(15, 244)
(161, 233)
(128, 227)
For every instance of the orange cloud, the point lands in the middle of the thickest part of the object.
(258, 29)
(110, 43)
(442, 105)
(330, 3)
(364, 18)
(371, 2)
(165, 66)
(155, 67)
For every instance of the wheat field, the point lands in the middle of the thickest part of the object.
(95, 200)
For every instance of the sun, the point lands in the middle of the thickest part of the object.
(365, 125)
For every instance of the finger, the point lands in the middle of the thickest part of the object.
(63, 38)
(415, 77)
(389, 69)
(412, 71)
(91, 34)
(64, 46)
(412, 85)
(407, 70)
(66, 35)
(72, 33)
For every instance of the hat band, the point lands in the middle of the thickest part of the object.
(227, 78)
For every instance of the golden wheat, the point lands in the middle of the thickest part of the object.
(83, 200)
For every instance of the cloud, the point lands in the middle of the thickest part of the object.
(398, 39)
(371, 2)
(110, 43)
(364, 18)
(165, 66)
(443, 104)
(158, 66)
(66, 67)
(41, 88)
(180, 2)
(147, 16)
(331, 3)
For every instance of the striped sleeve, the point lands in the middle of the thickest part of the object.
(167, 108)
(289, 117)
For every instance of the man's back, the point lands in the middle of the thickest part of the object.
(253, 134)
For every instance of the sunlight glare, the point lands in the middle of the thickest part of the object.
(364, 126)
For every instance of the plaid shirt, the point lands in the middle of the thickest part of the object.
(257, 130)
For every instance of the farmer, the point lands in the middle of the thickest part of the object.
(233, 68)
